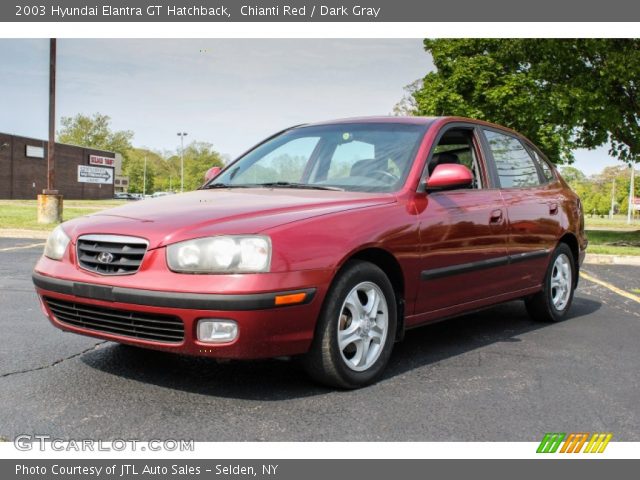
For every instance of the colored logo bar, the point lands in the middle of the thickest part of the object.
(574, 442)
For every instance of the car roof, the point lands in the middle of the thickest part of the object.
(410, 120)
(375, 119)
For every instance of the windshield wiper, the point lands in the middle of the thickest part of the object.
(224, 185)
(306, 186)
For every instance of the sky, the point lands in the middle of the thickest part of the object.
(231, 93)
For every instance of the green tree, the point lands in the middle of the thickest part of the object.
(407, 104)
(198, 158)
(94, 131)
(601, 203)
(573, 176)
(561, 93)
(596, 191)
(622, 178)
(168, 173)
(133, 167)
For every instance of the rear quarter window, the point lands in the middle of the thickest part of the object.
(546, 169)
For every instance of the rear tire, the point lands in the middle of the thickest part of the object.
(356, 329)
(552, 303)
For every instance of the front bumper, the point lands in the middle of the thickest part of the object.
(265, 329)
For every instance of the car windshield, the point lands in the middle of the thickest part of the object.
(361, 157)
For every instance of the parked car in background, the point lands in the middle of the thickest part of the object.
(326, 241)
(123, 196)
(161, 194)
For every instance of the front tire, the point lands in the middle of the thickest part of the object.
(356, 328)
(553, 302)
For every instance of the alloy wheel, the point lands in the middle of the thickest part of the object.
(363, 326)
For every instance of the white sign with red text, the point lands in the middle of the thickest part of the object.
(102, 161)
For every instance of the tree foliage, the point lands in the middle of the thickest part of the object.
(596, 191)
(198, 158)
(162, 169)
(561, 93)
(95, 132)
(133, 166)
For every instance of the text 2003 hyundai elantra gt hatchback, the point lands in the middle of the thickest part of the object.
(326, 241)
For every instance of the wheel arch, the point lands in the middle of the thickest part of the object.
(571, 241)
(389, 264)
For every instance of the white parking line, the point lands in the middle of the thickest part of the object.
(23, 247)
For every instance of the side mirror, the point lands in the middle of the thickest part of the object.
(448, 176)
(212, 173)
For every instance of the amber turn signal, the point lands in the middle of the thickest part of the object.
(290, 299)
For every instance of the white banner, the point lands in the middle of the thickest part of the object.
(87, 174)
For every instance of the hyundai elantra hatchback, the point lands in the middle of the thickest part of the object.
(327, 242)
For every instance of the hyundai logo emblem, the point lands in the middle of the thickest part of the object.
(105, 257)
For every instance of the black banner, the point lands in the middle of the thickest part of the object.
(318, 11)
(316, 469)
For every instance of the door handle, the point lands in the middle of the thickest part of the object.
(496, 216)
(553, 208)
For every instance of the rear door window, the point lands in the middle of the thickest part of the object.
(515, 167)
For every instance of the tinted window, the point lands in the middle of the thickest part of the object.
(514, 164)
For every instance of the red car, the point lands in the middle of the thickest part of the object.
(326, 241)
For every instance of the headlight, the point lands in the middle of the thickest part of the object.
(57, 244)
(223, 254)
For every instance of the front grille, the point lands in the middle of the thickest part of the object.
(147, 326)
(111, 254)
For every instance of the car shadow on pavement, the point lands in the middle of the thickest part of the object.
(274, 380)
(457, 336)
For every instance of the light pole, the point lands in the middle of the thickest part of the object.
(632, 194)
(182, 135)
(613, 199)
(144, 178)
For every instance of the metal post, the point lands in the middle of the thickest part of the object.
(613, 199)
(144, 178)
(632, 195)
(182, 135)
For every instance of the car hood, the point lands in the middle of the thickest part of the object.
(201, 213)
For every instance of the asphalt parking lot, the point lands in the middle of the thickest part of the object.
(490, 376)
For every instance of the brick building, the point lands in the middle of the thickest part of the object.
(81, 173)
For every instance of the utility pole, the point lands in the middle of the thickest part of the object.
(49, 202)
(144, 177)
(182, 135)
(613, 199)
(51, 147)
(632, 196)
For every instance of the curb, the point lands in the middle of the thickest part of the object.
(23, 233)
(601, 259)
